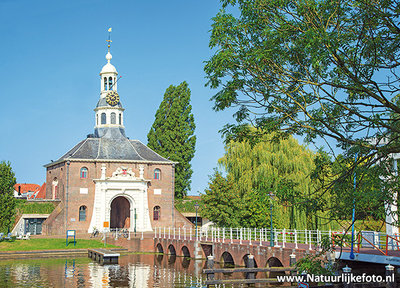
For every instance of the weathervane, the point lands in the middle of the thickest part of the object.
(109, 39)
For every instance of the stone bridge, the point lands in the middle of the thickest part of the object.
(234, 252)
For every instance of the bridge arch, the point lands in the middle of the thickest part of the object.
(159, 248)
(185, 252)
(274, 262)
(227, 260)
(171, 250)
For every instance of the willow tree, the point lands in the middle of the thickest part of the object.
(253, 172)
(172, 134)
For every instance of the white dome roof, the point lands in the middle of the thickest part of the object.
(108, 68)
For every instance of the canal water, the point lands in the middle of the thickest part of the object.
(140, 271)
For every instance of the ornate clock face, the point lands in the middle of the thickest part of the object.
(112, 98)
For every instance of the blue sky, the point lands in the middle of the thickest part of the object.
(52, 53)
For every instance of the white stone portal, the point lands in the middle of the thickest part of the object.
(122, 183)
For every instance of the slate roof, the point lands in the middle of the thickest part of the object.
(112, 149)
(103, 103)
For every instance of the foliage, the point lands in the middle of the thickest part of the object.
(187, 205)
(323, 69)
(172, 134)
(313, 264)
(221, 202)
(281, 167)
(49, 244)
(26, 207)
(7, 200)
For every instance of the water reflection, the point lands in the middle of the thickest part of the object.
(132, 271)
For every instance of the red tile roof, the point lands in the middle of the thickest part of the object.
(26, 187)
(42, 192)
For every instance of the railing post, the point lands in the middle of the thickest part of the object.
(179, 233)
(142, 236)
(283, 237)
(129, 234)
(223, 234)
(261, 237)
(241, 236)
(387, 241)
(231, 236)
(295, 239)
(255, 234)
(276, 238)
(330, 236)
(310, 240)
(249, 231)
(317, 239)
(206, 233)
(306, 236)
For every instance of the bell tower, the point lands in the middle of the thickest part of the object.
(109, 114)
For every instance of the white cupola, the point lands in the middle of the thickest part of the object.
(109, 114)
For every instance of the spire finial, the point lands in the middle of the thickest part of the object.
(109, 56)
(109, 38)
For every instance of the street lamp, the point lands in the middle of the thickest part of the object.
(197, 207)
(66, 200)
(271, 195)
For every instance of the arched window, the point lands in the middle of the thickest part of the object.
(55, 188)
(113, 118)
(157, 174)
(156, 213)
(105, 83)
(97, 119)
(82, 213)
(84, 172)
(103, 118)
(110, 84)
(120, 119)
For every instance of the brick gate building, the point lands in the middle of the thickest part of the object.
(109, 178)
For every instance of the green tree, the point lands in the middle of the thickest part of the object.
(172, 134)
(7, 200)
(282, 167)
(327, 70)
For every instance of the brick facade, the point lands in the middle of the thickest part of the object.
(55, 224)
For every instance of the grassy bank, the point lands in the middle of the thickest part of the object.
(50, 244)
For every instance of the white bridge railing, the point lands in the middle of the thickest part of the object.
(311, 239)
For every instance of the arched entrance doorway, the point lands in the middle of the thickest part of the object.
(120, 213)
